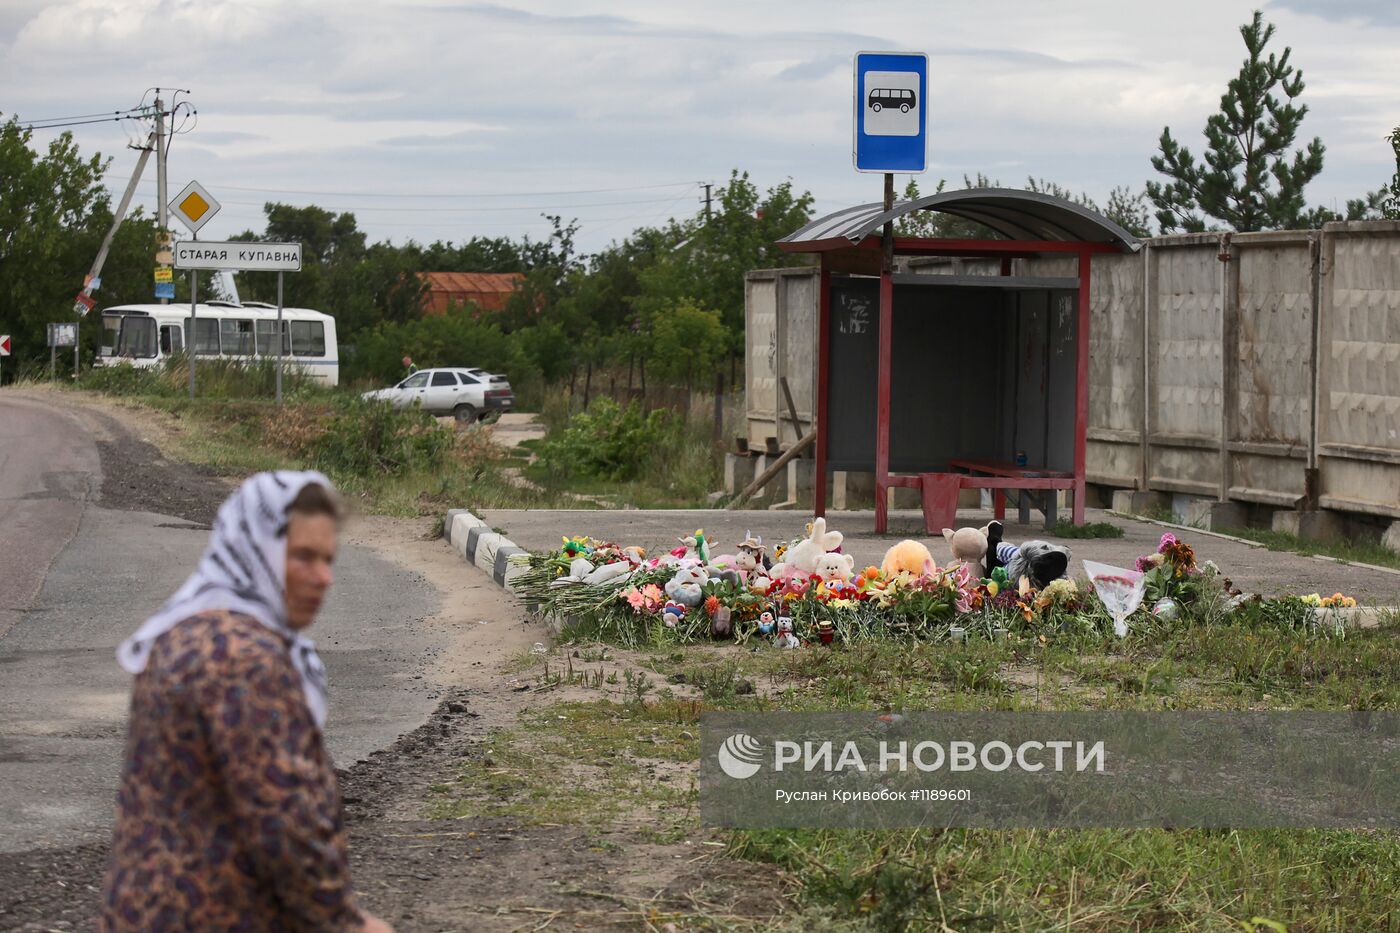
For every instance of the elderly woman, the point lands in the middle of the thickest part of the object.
(228, 815)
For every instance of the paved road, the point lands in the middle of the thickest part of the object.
(76, 578)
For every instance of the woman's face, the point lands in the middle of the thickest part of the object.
(311, 544)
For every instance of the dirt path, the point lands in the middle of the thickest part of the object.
(487, 873)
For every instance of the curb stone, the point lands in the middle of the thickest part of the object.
(481, 547)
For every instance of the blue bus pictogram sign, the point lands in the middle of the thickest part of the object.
(891, 112)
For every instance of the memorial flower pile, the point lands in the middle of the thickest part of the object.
(814, 595)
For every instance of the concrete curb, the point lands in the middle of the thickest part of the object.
(481, 547)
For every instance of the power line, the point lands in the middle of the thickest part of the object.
(514, 194)
(80, 116)
(57, 126)
(458, 210)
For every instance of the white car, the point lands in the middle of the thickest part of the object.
(466, 394)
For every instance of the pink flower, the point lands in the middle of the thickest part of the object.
(635, 599)
(1168, 540)
(653, 596)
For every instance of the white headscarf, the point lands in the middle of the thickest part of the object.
(244, 569)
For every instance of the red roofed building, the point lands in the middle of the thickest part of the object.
(489, 291)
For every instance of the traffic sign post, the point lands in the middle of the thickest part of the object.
(4, 352)
(891, 135)
(240, 257)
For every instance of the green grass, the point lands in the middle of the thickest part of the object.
(1087, 530)
(1364, 552)
(975, 879)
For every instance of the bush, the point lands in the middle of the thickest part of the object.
(452, 339)
(216, 378)
(607, 442)
(366, 438)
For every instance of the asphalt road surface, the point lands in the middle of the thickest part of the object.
(82, 563)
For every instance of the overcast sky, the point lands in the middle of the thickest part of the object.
(611, 112)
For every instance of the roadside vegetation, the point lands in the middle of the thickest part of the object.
(410, 463)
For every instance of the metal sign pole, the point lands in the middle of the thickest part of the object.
(193, 342)
(77, 342)
(279, 338)
(53, 360)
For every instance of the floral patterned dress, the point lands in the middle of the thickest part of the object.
(228, 813)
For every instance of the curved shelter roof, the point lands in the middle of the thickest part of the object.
(1011, 213)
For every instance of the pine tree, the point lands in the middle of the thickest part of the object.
(1249, 179)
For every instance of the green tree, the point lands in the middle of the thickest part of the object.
(54, 212)
(1248, 179)
(1126, 209)
(705, 258)
(686, 340)
(1388, 198)
(330, 245)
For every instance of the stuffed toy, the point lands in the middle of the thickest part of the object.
(909, 557)
(803, 555)
(752, 547)
(721, 624)
(672, 613)
(765, 623)
(576, 547)
(833, 567)
(786, 639)
(969, 547)
(696, 547)
(687, 586)
(1039, 562)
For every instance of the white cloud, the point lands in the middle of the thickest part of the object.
(543, 95)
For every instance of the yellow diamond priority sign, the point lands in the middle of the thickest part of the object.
(195, 206)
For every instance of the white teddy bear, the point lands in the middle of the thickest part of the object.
(687, 586)
(804, 554)
(833, 567)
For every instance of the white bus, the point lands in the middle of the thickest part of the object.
(145, 335)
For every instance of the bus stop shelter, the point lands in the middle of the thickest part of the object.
(948, 382)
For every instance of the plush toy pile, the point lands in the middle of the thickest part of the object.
(807, 591)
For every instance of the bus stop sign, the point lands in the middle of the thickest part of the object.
(891, 112)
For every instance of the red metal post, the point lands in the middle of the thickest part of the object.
(1081, 389)
(882, 398)
(823, 384)
(882, 404)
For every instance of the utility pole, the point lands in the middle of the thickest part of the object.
(160, 181)
(708, 186)
(120, 215)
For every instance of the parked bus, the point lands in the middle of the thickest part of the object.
(146, 335)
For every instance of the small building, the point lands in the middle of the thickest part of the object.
(488, 291)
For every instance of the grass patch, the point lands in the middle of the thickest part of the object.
(1362, 552)
(1087, 530)
(598, 764)
(1021, 879)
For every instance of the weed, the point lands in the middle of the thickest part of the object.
(1088, 530)
(1364, 552)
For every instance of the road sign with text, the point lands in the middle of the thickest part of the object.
(238, 257)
